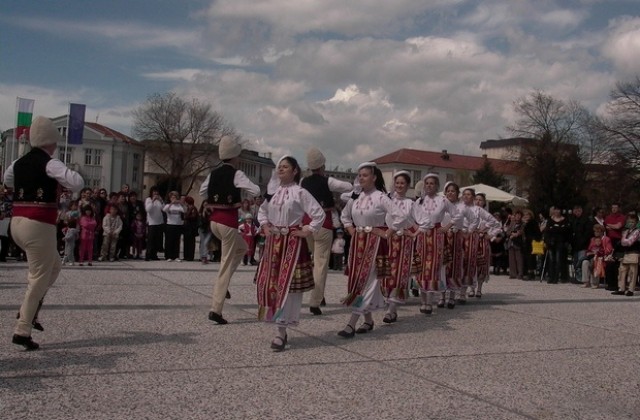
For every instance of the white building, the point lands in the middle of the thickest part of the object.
(105, 159)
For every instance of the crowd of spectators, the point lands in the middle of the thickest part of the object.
(597, 250)
(562, 246)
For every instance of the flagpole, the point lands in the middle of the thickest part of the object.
(66, 137)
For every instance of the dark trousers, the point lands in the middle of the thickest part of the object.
(189, 241)
(172, 242)
(558, 263)
(611, 269)
(4, 247)
(154, 241)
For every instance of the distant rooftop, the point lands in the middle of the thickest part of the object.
(444, 159)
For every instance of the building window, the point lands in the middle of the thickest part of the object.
(66, 159)
(248, 168)
(93, 157)
(135, 169)
(63, 131)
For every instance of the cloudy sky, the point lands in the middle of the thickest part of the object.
(358, 79)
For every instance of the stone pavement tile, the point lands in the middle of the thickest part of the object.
(589, 383)
(281, 391)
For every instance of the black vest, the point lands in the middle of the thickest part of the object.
(318, 186)
(634, 247)
(31, 182)
(221, 190)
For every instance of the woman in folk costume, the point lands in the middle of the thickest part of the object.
(395, 286)
(285, 270)
(429, 213)
(454, 245)
(470, 244)
(365, 218)
(488, 228)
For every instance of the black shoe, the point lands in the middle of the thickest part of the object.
(315, 310)
(228, 295)
(618, 292)
(279, 347)
(323, 303)
(440, 304)
(426, 309)
(451, 304)
(628, 293)
(36, 325)
(365, 328)
(27, 342)
(390, 318)
(217, 318)
(348, 332)
(415, 292)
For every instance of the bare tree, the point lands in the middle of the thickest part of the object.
(622, 126)
(619, 132)
(180, 136)
(553, 161)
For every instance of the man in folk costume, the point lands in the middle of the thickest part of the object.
(429, 213)
(321, 188)
(37, 179)
(222, 190)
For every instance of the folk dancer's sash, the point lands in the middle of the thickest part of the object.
(453, 257)
(484, 256)
(285, 257)
(470, 258)
(428, 258)
(401, 257)
(367, 251)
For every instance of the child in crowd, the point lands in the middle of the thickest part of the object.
(111, 228)
(337, 250)
(138, 233)
(70, 238)
(248, 231)
(629, 263)
(88, 225)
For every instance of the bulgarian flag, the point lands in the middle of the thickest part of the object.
(25, 114)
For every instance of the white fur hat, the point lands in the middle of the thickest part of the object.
(403, 172)
(315, 159)
(367, 165)
(43, 132)
(229, 148)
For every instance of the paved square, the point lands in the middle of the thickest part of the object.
(131, 339)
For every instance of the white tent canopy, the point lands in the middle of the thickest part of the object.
(495, 194)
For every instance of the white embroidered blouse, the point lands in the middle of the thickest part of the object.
(288, 206)
(373, 208)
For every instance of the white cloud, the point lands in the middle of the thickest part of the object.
(139, 35)
(623, 45)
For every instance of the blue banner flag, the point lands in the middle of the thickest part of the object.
(75, 131)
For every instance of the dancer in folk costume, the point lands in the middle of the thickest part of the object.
(395, 286)
(365, 218)
(470, 243)
(248, 231)
(36, 179)
(488, 229)
(321, 188)
(286, 271)
(429, 213)
(223, 188)
(454, 245)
